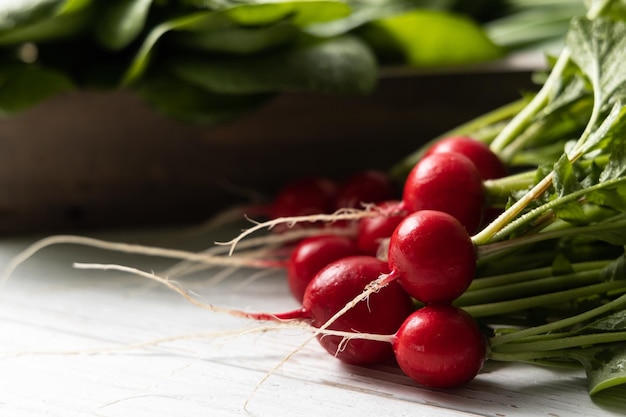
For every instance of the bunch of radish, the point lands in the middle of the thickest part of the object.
(504, 240)
(417, 249)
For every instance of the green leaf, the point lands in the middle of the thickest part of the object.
(443, 38)
(615, 322)
(299, 12)
(239, 40)
(616, 166)
(366, 12)
(63, 21)
(598, 47)
(255, 14)
(121, 22)
(141, 60)
(14, 14)
(182, 101)
(604, 365)
(615, 270)
(615, 236)
(23, 86)
(338, 65)
(564, 179)
(614, 198)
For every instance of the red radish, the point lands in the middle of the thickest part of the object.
(433, 256)
(373, 230)
(303, 197)
(311, 255)
(447, 182)
(440, 346)
(487, 162)
(335, 286)
(369, 186)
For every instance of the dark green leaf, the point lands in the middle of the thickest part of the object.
(614, 236)
(142, 58)
(191, 104)
(604, 365)
(564, 180)
(66, 22)
(339, 65)
(615, 322)
(255, 14)
(617, 154)
(121, 22)
(239, 40)
(615, 270)
(15, 14)
(23, 86)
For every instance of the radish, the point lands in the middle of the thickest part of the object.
(448, 182)
(370, 186)
(302, 197)
(312, 254)
(383, 313)
(373, 230)
(486, 161)
(440, 346)
(433, 256)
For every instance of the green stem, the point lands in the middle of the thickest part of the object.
(532, 357)
(532, 274)
(563, 323)
(525, 116)
(491, 230)
(562, 343)
(500, 189)
(526, 288)
(521, 304)
(505, 229)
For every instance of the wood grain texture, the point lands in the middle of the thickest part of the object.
(67, 336)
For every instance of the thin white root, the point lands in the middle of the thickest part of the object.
(339, 215)
(373, 287)
(273, 240)
(163, 340)
(323, 330)
(284, 324)
(172, 285)
(125, 248)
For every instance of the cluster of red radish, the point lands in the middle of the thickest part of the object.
(350, 284)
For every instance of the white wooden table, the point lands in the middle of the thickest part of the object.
(68, 348)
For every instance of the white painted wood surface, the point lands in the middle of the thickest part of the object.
(67, 336)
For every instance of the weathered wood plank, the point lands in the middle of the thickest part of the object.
(49, 307)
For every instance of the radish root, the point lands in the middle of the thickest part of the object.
(342, 214)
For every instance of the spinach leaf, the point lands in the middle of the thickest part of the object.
(451, 39)
(14, 14)
(239, 40)
(65, 20)
(121, 22)
(22, 86)
(183, 101)
(252, 14)
(364, 12)
(338, 65)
